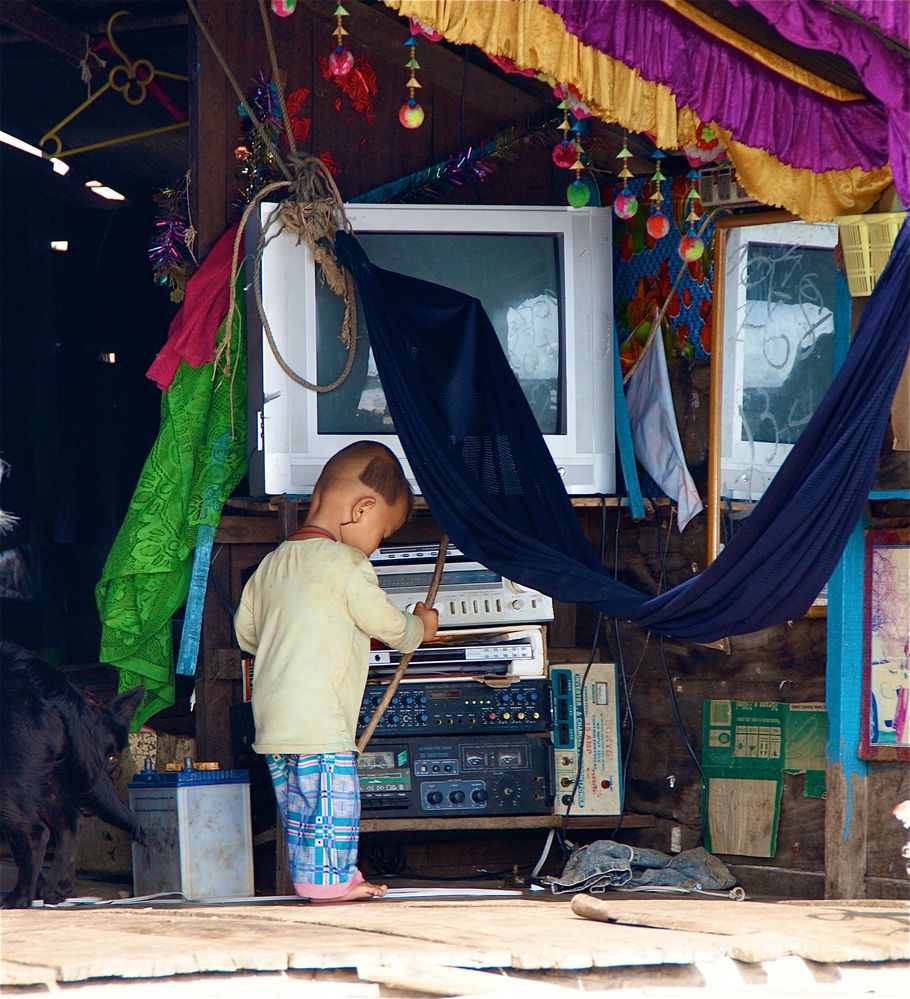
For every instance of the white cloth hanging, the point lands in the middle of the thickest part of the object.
(655, 435)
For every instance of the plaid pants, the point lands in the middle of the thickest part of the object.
(319, 801)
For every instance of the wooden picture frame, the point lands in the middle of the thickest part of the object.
(757, 266)
(885, 731)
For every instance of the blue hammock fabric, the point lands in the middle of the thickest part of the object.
(491, 484)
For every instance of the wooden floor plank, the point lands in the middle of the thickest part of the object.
(528, 935)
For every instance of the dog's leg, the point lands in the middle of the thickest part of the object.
(108, 807)
(27, 842)
(58, 883)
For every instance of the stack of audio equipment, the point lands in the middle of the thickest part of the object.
(469, 731)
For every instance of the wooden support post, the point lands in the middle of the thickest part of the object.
(287, 524)
(287, 517)
(845, 801)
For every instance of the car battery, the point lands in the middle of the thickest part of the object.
(199, 830)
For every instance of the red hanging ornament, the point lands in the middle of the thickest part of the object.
(341, 62)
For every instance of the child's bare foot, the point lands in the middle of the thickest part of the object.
(363, 891)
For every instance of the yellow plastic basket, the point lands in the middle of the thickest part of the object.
(866, 241)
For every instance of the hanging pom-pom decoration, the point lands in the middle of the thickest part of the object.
(578, 192)
(340, 61)
(564, 153)
(284, 8)
(411, 114)
(658, 225)
(568, 153)
(691, 246)
(625, 204)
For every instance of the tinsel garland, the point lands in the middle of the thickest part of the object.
(171, 249)
(258, 168)
(474, 164)
(257, 155)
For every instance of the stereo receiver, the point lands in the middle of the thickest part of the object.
(460, 707)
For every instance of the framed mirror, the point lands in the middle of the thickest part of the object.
(776, 345)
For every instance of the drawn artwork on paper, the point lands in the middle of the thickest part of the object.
(888, 645)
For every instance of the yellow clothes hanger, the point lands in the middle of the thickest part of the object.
(130, 79)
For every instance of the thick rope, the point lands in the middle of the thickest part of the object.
(313, 214)
(273, 59)
(263, 134)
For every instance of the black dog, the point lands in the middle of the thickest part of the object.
(59, 752)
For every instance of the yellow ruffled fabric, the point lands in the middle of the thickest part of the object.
(813, 197)
(534, 37)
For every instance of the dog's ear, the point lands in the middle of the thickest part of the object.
(126, 705)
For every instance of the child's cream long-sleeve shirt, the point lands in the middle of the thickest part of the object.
(307, 614)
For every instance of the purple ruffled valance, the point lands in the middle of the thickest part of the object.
(757, 106)
(885, 73)
(891, 17)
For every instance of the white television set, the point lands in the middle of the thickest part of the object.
(544, 277)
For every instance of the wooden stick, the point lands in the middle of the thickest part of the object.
(389, 692)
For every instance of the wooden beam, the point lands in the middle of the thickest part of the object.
(845, 779)
(45, 29)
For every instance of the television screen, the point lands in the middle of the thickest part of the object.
(517, 279)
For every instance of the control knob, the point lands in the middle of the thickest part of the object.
(434, 798)
(456, 797)
(478, 795)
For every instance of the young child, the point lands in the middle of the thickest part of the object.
(307, 614)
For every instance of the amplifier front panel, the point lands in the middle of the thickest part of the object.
(460, 708)
(422, 777)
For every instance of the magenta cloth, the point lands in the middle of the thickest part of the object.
(720, 83)
(891, 17)
(191, 336)
(884, 72)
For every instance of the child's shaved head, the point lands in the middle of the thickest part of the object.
(367, 463)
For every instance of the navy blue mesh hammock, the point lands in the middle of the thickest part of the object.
(491, 484)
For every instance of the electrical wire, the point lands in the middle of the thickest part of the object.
(619, 659)
(662, 553)
(564, 841)
(679, 721)
(216, 586)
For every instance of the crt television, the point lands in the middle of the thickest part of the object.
(544, 277)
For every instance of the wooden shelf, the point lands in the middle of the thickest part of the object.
(271, 504)
(479, 822)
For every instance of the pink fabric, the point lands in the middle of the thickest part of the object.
(720, 83)
(327, 892)
(191, 337)
(883, 71)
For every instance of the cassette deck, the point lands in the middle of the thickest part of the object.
(469, 594)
